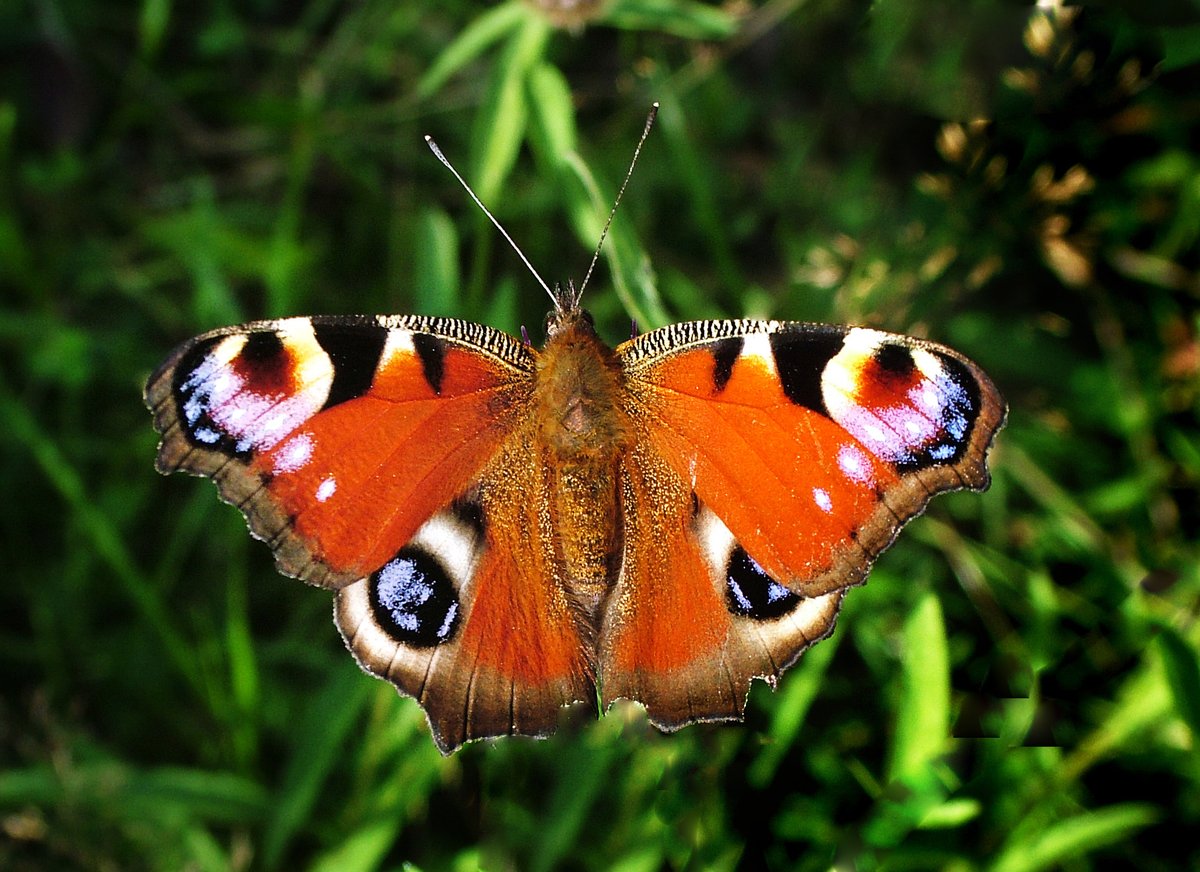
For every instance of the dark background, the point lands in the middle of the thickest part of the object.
(1018, 687)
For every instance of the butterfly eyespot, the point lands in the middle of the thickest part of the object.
(893, 358)
(264, 366)
(800, 361)
(263, 348)
(431, 351)
(751, 592)
(725, 354)
(414, 600)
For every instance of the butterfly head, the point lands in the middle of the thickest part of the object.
(567, 313)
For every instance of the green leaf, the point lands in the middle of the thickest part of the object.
(318, 737)
(243, 664)
(33, 785)
(1074, 837)
(102, 534)
(363, 849)
(500, 123)
(1182, 668)
(696, 172)
(923, 718)
(488, 28)
(214, 796)
(1181, 47)
(629, 266)
(156, 15)
(1142, 702)
(437, 284)
(553, 112)
(789, 706)
(951, 813)
(568, 809)
(682, 19)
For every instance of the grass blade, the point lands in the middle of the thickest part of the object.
(923, 719)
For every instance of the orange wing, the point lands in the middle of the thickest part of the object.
(386, 458)
(774, 462)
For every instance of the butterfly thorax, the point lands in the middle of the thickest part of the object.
(584, 432)
(577, 392)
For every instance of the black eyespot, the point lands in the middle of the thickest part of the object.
(414, 600)
(431, 351)
(800, 358)
(958, 393)
(354, 349)
(262, 348)
(751, 592)
(894, 358)
(192, 388)
(725, 354)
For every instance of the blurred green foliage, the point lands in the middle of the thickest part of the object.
(1018, 687)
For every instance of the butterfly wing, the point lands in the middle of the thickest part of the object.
(774, 462)
(375, 457)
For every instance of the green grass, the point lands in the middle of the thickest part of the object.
(1018, 687)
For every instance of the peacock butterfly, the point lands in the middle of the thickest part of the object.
(509, 531)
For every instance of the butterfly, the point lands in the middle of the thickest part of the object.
(509, 530)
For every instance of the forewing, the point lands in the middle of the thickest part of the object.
(338, 437)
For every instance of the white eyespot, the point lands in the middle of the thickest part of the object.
(716, 542)
(326, 489)
(854, 463)
(893, 428)
(407, 588)
(756, 348)
(453, 543)
(822, 499)
(398, 342)
(257, 420)
(293, 454)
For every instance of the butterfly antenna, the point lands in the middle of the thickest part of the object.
(604, 233)
(438, 153)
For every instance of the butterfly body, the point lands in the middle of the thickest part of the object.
(584, 433)
(510, 531)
